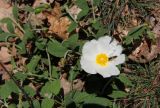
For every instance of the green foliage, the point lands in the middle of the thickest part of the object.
(55, 73)
(100, 28)
(51, 88)
(84, 6)
(41, 8)
(118, 94)
(85, 98)
(56, 49)
(31, 66)
(20, 76)
(71, 42)
(124, 79)
(15, 12)
(36, 104)
(5, 36)
(72, 26)
(48, 58)
(41, 43)
(47, 103)
(137, 33)
(9, 22)
(8, 88)
(96, 2)
(30, 91)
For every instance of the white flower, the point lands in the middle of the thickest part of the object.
(101, 56)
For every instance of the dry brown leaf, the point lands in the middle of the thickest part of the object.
(4, 74)
(19, 33)
(156, 30)
(37, 19)
(58, 24)
(74, 11)
(4, 55)
(144, 52)
(78, 84)
(68, 86)
(5, 11)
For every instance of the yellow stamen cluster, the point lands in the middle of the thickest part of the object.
(102, 59)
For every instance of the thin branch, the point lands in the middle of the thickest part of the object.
(21, 88)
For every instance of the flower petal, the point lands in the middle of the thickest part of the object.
(105, 40)
(88, 66)
(118, 60)
(116, 51)
(90, 49)
(103, 45)
(89, 45)
(110, 70)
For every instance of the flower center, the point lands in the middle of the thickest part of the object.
(102, 59)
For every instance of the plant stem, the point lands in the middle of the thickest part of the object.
(49, 64)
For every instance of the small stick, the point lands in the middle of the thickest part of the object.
(21, 88)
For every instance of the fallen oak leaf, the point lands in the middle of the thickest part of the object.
(67, 86)
(4, 55)
(5, 11)
(58, 25)
(4, 74)
(144, 53)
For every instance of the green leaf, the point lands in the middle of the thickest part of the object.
(97, 25)
(82, 13)
(84, 6)
(72, 74)
(80, 96)
(101, 32)
(96, 2)
(135, 33)
(51, 87)
(56, 86)
(85, 98)
(56, 49)
(4, 36)
(41, 43)
(10, 27)
(55, 72)
(21, 48)
(8, 88)
(41, 8)
(12, 106)
(25, 104)
(99, 101)
(5, 20)
(14, 88)
(15, 12)
(30, 91)
(118, 94)
(20, 76)
(72, 26)
(4, 91)
(47, 103)
(28, 8)
(71, 42)
(9, 23)
(36, 104)
(31, 66)
(124, 79)
(28, 34)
